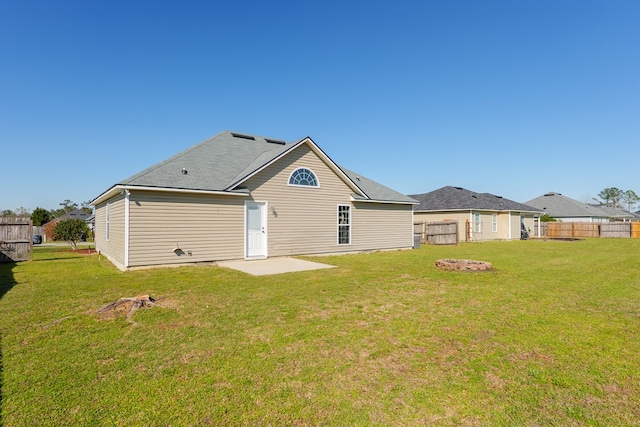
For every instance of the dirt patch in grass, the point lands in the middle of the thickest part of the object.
(83, 251)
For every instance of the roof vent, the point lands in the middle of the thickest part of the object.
(239, 135)
(275, 141)
(184, 171)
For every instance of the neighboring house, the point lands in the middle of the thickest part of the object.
(73, 214)
(480, 216)
(91, 222)
(615, 214)
(237, 196)
(567, 209)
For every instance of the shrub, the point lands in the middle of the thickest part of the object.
(71, 230)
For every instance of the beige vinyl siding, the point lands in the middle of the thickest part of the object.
(381, 226)
(303, 220)
(210, 227)
(113, 248)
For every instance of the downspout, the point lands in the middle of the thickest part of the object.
(127, 193)
(509, 212)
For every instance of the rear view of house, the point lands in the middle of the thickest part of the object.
(238, 196)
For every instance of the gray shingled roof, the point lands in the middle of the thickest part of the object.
(212, 165)
(223, 161)
(374, 190)
(559, 206)
(457, 198)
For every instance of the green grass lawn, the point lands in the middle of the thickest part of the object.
(551, 336)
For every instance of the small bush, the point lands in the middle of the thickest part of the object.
(71, 231)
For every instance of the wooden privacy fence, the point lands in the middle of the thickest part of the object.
(572, 229)
(16, 239)
(620, 230)
(617, 230)
(438, 233)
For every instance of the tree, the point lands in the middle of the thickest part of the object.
(7, 213)
(40, 216)
(68, 205)
(86, 207)
(547, 218)
(22, 211)
(630, 199)
(71, 230)
(610, 197)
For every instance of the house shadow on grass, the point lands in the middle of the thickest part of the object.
(7, 282)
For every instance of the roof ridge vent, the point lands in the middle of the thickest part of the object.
(275, 141)
(239, 135)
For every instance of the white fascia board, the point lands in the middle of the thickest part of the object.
(389, 202)
(120, 188)
(474, 210)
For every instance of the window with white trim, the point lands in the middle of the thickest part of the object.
(303, 177)
(344, 224)
(494, 223)
(477, 224)
(106, 216)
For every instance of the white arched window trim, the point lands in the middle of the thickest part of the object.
(303, 174)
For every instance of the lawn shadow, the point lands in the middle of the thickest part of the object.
(7, 282)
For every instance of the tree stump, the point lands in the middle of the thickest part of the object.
(127, 305)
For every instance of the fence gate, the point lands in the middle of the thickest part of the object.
(616, 230)
(16, 239)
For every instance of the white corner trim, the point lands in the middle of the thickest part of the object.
(127, 211)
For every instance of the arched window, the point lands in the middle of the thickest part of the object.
(303, 177)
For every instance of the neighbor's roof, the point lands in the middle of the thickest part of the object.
(222, 162)
(559, 206)
(457, 198)
(614, 213)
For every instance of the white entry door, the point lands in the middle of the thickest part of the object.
(256, 240)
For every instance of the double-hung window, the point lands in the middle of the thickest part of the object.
(494, 223)
(477, 224)
(344, 224)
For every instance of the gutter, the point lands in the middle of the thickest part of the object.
(120, 188)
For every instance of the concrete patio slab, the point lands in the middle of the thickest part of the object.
(279, 265)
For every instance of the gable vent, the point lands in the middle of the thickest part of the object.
(239, 135)
(275, 141)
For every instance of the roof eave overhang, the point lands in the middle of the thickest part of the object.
(475, 210)
(391, 202)
(119, 188)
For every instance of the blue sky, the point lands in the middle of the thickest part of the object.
(515, 98)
